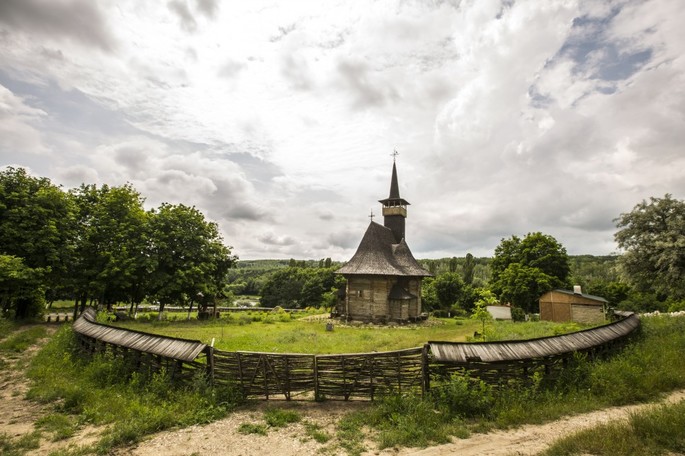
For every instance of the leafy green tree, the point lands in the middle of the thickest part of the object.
(299, 287)
(283, 288)
(652, 237)
(469, 269)
(480, 310)
(20, 288)
(111, 262)
(448, 289)
(524, 269)
(189, 257)
(522, 286)
(37, 225)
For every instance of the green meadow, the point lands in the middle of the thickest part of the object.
(279, 332)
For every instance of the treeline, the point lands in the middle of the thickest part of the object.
(98, 244)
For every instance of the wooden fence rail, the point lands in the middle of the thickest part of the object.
(364, 376)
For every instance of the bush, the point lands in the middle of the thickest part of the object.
(518, 314)
(464, 397)
(409, 421)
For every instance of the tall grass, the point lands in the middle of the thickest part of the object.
(103, 392)
(646, 368)
(660, 430)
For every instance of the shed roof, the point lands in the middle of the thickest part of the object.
(169, 347)
(379, 254)
(456, 352)
(583, 295)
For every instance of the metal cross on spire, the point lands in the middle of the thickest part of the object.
(394, 155)
(371, 216)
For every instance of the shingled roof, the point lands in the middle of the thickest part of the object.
(379, 254)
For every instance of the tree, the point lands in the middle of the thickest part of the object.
(283, 288)
(522, 286)
(652, 237)
(37, 226)
(112, 262)
(448, 289)
(480, 310)
(20, 291)
(524, 269)
(469, 269)
(189, 258)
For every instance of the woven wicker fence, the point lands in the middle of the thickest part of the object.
(360, 376)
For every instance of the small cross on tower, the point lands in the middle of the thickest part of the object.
(371, 216)
(394, 155)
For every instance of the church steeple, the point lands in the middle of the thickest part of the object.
(394, 207)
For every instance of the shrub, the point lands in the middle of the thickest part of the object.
(518, 314)
(464, 397)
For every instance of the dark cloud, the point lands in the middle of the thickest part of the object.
(231, 69)
(208, 8)
(272, 239)
(132, 158)
(282, 32)
(181, 9)
(344, 239)
(357, 77)
(74, 20)
(245, 212)
(295, 69)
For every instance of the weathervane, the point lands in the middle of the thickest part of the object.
(394, 155)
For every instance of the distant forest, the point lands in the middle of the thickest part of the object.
(248, 276)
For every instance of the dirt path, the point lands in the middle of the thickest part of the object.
(17, 414)
(532, 439)
(223, 438)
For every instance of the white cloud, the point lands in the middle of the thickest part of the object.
(278, 121)
(19, 126)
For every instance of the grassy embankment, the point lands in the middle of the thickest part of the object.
(650, 366)
(104, 394)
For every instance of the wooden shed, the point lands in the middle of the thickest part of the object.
(565, 305)
(383, 277)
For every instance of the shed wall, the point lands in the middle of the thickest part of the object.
(587, 314)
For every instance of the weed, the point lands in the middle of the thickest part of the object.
(252, 428)
(409, 421)
(349, 433)
(20, 446)
(276, 417)
(660, 430)
(464, 397)
(21, 340)
(316, 432)
(61, 426)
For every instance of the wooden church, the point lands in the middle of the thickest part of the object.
(383, 277)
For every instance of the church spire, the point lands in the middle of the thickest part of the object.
(394, 207)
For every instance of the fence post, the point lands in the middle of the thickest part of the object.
(425, 369)
(210, 364)
(317, 397)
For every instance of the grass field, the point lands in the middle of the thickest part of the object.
(278, 333)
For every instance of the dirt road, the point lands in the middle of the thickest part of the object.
(223, 438)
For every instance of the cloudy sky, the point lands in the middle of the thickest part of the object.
(278, 119)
